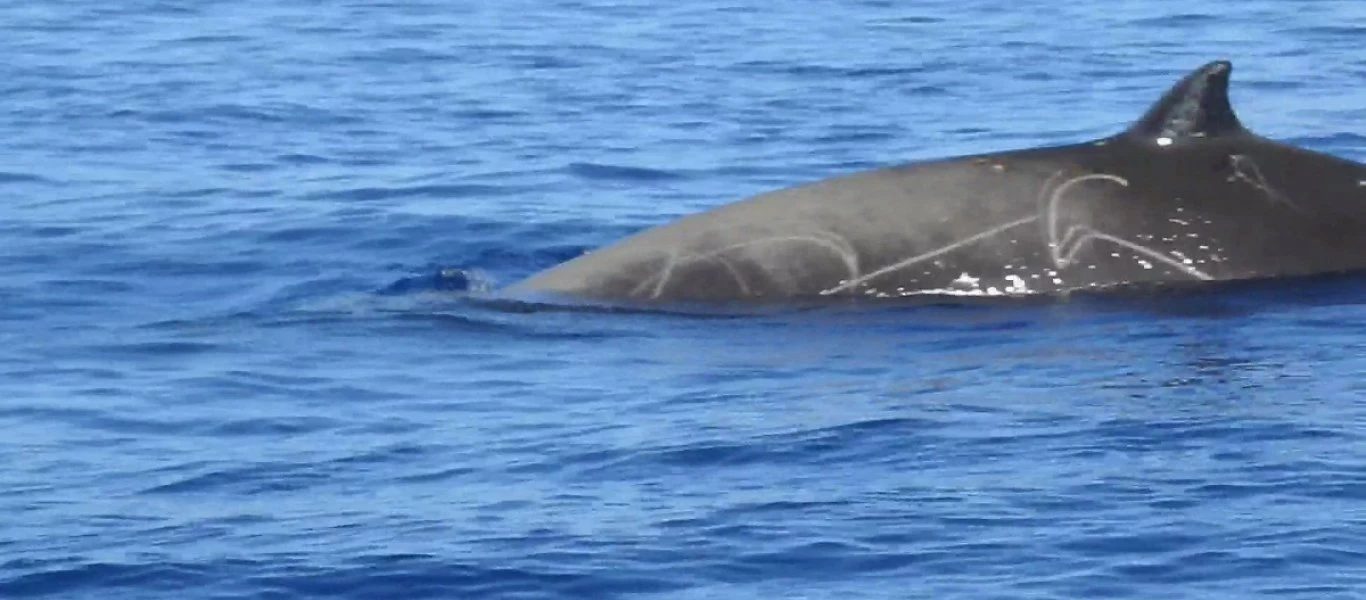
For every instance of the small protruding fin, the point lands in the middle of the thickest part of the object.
(1196, 107)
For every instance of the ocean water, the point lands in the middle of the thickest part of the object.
(245, 350)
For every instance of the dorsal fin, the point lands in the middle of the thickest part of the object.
(1196, 107)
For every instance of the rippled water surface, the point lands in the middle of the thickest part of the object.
(243, 352)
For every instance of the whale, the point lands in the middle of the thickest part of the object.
(1183, 196)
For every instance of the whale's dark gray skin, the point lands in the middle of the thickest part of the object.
(1186, 194)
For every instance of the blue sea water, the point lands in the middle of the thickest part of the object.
(243, 352)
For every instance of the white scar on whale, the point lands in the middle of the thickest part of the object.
(926, 256)
(839, 246)
(1079, 235)
(1063, 251)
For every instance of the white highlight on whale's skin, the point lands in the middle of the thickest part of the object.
(1017, 285)
(967, 280)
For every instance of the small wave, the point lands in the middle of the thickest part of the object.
(171, 348)
(1181, 21)
(835, 72)
(916, 20)
(273, 426)
(369, 194)
(815, 446)
(275, 114)
(395, 575)
(548, 62)
(253, 480)
(302, 159)
(197, 192)
(855, 137)
(212, 39)
(247, 167)
(443, 280)
(9, 177)
(403, 56)
(85, 577)
(487, 114)
(619, 172)
(1332, 31)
